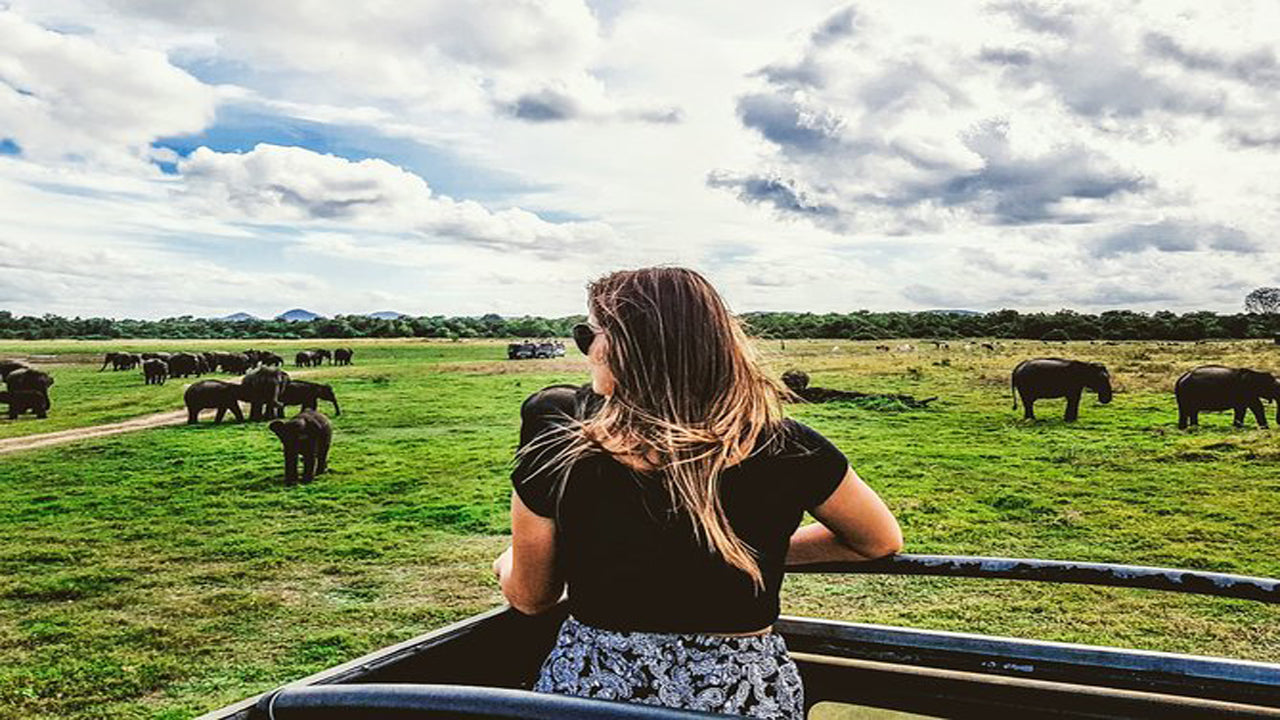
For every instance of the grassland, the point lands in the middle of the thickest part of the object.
(164, 573)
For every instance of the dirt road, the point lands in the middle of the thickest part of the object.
(30, 442)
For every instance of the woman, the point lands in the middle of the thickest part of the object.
(667, 495)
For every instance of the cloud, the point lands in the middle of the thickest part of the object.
(1022, 113)
(429, 56)
(779, 193)
(276, 184)
(1174, 237)
(70, 97)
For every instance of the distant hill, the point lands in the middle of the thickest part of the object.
(238, 317)
(387, 315)
(297, 315)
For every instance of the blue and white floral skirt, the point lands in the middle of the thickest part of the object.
(748, 675)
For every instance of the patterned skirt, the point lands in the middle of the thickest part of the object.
(746, 675)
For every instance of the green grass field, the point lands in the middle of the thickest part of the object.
(167, 572)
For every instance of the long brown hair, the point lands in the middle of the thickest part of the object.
(689, 392)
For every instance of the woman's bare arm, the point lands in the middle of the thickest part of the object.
(853, 525)
(527, 570)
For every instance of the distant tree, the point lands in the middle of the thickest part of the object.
(1263, 300)
(1056, 334)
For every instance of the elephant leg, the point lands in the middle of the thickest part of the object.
(1259, 412)
(1238, 421)
(41, 413)
(1195, 418)
(193, 415)
(290, 466)
(309, 462)
(13, 412)
(235, 410)
(1028, 406)
(322, 456)
(255, 410)
(1183, 418)
(222, 412)
(1073, 407)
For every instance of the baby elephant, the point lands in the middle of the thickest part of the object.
(21, 401)
(308, 434)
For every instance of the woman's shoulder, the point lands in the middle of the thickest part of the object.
(560, 400)
(794, 438)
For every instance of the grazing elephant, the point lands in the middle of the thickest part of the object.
(261, 388)
(321, 355)
(212, 394)
(1054, 378)
(21, 401)
(8, 366)
(270, 358)
(184, 364)
(306, 358)
(115, 359)
(157, 356)
(309, 395)
(29, 379)
(342, 356)
(307, 434)
(155, 371)
(1214, 387)
(237, 363)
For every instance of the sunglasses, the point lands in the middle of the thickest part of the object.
(583, 336)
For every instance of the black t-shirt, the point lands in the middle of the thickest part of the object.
(633, 563)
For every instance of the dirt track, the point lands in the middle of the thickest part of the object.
(30, 442)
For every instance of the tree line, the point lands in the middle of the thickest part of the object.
(860, 325)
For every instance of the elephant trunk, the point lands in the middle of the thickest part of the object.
(338, 411)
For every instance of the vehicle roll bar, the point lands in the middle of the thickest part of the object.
(1196, 582)
(400, 701)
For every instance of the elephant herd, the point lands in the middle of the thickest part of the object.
(26, 389)
(268, 390)
(1207, 388)
(157, 367)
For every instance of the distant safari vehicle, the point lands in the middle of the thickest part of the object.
(483, 666)
(528, 349)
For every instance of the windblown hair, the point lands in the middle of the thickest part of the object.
(689, 393)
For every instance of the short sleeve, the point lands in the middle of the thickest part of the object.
(816, 465)
(541, 415)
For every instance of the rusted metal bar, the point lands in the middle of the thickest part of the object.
(1242, 587)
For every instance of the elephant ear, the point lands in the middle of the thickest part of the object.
(277, 427)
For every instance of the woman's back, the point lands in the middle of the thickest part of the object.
(634, 562)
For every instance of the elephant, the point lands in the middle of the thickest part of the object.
(309, 395)
(21, 401)
(305, 358)
(184, 364)
(29, 379)
(213, 394)
(8, 366)
(308, 434)
(1056, 377)
(1214, 387)
(157, 356)
(270, 358)
(127, 361)
(115, 360)
(155, 371)
(261, 388)
(321, 355)
(342, 356)
(235, 363)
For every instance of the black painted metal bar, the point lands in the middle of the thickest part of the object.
(1196, 582)
(430, 702)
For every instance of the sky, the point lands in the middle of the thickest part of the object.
(461, 157)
